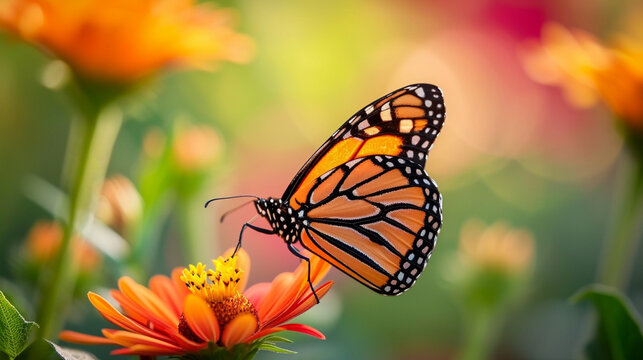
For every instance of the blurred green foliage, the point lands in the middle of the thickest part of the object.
(316, 64)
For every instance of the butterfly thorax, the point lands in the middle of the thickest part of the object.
(283, 219)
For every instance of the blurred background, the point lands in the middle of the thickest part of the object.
(517, 161)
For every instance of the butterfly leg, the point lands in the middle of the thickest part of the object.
(255, 228)
(295, 252)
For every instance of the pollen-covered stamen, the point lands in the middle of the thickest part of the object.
(218, 288)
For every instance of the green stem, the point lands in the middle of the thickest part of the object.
(195, 249)
(625, 236)
(99, 131)
(479, 337)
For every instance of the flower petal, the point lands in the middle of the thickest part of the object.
(276, 299)
(143, 315)
(257, 292)
(112, 315)
(284, 295)
(164, 288)
(84, 339)
(144, 350)
(147, 299)
(179, 285)
(131, 310)
(129, 339)
(304, 329)
(243, 263)
(239, 329)
(201, 319)
(301, 306)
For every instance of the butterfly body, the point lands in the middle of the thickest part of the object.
(363, 201)
(284, 221)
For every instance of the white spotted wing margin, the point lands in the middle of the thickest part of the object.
(378, 221)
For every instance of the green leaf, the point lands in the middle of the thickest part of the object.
(275, 348)
(618, 334)
(71, 354)
(14, 329)
(276, 338)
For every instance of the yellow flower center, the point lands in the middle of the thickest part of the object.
(218, 288)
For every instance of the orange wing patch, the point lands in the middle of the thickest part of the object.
(408, 100)
(348, 264)
(380, 145)
(384, 258)
(411, 195)
(404, 112)
(363, 171)
(343, 208)
(339, 154)
(401, 240)
(411, 218)
(391, 179)
(326, 187)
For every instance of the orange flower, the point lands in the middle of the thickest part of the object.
(43, 243)
(497, 246)
(211, 313)
(124, 40)
(195, 148)
(588, 70)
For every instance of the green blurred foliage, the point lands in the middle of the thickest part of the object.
(618, 332)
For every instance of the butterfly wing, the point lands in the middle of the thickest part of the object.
(375, 218)
(403, 123)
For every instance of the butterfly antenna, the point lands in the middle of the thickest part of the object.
(233, 210)
(230, 197)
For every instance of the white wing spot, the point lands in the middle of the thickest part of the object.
(385, 114)
(415, 139)
(420, 92)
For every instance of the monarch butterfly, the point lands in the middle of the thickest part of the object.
(363, 201)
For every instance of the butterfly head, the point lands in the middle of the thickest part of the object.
(281, 216)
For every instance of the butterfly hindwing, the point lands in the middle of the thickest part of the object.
(404, 123)
(376, 218)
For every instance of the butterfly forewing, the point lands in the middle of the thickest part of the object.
(376, 218)
(403, 123)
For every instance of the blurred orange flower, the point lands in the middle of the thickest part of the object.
(43, 243)
(497, 247)
(124, 40)
(588, 70)
(199, 307)
(195, 148)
